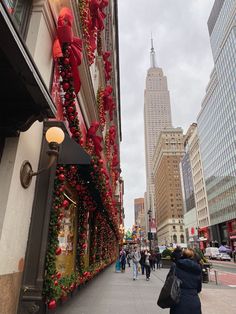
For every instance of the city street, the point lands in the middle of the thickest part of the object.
(117, 293)
(225, 272)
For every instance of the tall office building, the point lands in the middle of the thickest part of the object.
(138, 210)
(168, 196)
(157, 116)
(217, 124)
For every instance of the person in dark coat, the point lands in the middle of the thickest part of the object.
(176, 254)
(142, 261)
(189, 272)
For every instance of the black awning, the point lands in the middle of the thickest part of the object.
(72, 153)
(24, 97)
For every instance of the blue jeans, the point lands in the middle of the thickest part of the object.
(135, 270)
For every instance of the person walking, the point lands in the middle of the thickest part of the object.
(158, 258)
(129, 258)
(136, 256)
(147, 265)
(189, 272)
(122, 260)
(142, 261)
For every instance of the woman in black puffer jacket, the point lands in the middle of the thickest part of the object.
(189, 272)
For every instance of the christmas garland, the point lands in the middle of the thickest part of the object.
(56, 286)
(92, 20)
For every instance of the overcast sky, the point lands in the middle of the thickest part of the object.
(182, 46)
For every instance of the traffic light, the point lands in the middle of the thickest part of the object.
(150, 236)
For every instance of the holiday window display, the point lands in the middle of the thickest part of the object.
(60, 282)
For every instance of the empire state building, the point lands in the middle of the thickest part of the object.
(157, 116)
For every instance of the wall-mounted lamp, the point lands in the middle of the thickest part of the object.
(54, 136)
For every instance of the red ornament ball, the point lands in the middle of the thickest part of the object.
(66, 61)
(58, 251)
(66, 86)
(52, 305)
(65, 203)
(61, 177)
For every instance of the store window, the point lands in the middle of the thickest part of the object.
(19, 10)
(65, 262)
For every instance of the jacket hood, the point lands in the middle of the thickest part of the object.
(189, 265)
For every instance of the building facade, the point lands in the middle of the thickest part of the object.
(196, 217)
(203, 219)
(190, 216)
(217, 124)
(139, 211)
(168, 195)
(60, 69)
(157, 116)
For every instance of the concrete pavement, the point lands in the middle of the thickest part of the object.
(117, 293)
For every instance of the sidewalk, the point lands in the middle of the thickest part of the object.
(117, 293)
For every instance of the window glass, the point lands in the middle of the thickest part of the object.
(19, 10)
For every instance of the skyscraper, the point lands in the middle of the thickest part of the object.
(217, 124)
(157, 116)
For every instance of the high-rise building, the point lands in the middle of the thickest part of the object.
(168, 195)
(189, 208)
(196, 214)
(217, 124)
(138, 209)
(157, 117)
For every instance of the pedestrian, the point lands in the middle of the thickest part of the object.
(142, 261)
(122, 260)
(176, 254)
(147, 264)
(154, 260)
(129, 258)
(158, 258)
(136, 256)
(189, 272)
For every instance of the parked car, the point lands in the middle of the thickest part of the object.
(223, 257)
(211, 252)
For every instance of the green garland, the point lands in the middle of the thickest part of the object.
(57, 287)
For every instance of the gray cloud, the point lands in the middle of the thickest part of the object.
(182, 46)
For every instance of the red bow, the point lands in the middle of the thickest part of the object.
(65, 35)
(95, 138)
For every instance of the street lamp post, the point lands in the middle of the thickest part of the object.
(150, 234)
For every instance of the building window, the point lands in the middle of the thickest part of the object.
(182, 238)
(175, 238)
(19, 11)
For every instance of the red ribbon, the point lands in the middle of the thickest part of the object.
(95, 138)
(65, 35)
(112, 134)
(108, 102)
(107, 65)
(97, 15)
(107, 99)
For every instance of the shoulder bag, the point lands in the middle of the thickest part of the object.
(170, 292)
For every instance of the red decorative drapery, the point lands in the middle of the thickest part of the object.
(91, 134)
(65, 35)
